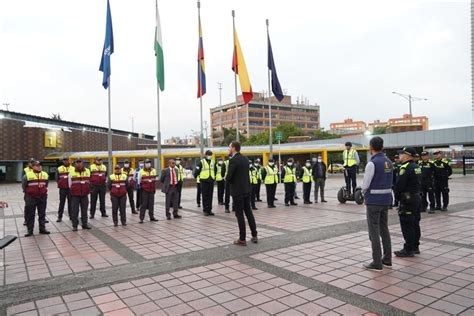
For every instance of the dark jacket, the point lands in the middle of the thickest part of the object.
(198, 169)
(409, 179)
(319, 175)
(238, 175)
(166, 179)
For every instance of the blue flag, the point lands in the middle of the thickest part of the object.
(276, 88)
(108, 49)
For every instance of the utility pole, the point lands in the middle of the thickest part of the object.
(6, 105)
(220, 93)
(410, 99)
(133, 124)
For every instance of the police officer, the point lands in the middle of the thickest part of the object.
(442, 172)
(427, 182)
(227, 188)
(270, 178)
(377, 189)
(307, 179)
(35, 187)
(206, 169)
(79, 182)
(127, 170)
(29, 167)
(118, 185)
(179, 186)
(396, 171)
(259, 168)
(220, 180)
(350, 162)
(147, 181)
(141, 165)
(407, 189)
(417, 158)
(98, 180)
(253, 177)
(288, 175)
(198, 191)
(62, 176)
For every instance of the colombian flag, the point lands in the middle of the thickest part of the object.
(201, 66)
(238, 66)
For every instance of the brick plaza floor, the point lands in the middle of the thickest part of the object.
(308, 262)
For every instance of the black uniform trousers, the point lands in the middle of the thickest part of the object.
(350, 175)
(97, 191)
(271, 190)
(77, 202)
(307, 191)
(130, 198)
(220, 191)
(410, 224)
(198, 193)
(441, 189)
(257, 193)
(139, 198)
(180, 190)
(207, 188)
(119, 203)
(171, 200)
(64, 194)
(253, 195)
(33, 204)
(227, 195)
(427, 194)
(290, 192)
(147, 203)
(242, 206)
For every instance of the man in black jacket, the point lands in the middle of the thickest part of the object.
(239, 181)
(319, 177)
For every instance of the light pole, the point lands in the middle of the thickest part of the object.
(410, 99)
(6, 105)
(220, 93)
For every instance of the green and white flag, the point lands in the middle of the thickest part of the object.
(160, 63)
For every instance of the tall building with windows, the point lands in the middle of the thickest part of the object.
(254, 117)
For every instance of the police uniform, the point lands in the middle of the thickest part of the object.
(118, 185)
(407, 189)
(206, 170)
(396, 171)
(350, 161)
(179, 185)
(35, 186)
(427, 182)
(147, 181)
(220, 180)
(442, 172)
(288, 175)
(253, 177)
(98, 180)
(62, 176)
(79, 182)
(270, 178)
(198, 191)
(307, 179)
(259, 180)
(130, 186)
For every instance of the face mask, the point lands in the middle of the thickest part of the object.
(256, 164)
(308, 165)
(250, 165)
(67, 164)
(178, 162)
(221, 162)
(319, 160)
(141, 166)
(126, 165)
(290, 164)
(209, 157)
(271, 164)
(148, 165)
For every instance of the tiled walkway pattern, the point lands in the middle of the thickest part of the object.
(218, 289)
(438, 282)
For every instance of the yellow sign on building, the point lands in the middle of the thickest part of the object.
(50, 139)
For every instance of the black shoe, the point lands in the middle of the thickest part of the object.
(168, 217)
(276, 199)
(271, 206)
(294, 203)
(124, 224)
(59, 220)
(206, 214)
(29, 234)
(24, 223)
(390, 207)
(105, 215)
(404, 253)
(254, 208)
(437, 208)
(387, 263)
(46, 221)
(324, 201)
(221, 203)
(153, 219)
(74, 229)
(134, 212)
(444, 209)
(287, 204)
(199, 205)
(316, 202)
(297, 197)
(307, 202)
(91, 217)
(115, 224)
(86, 226)
(141, 221)
(227, 210)
(372, 266)
(211, 214)
(177, 216)
(431, 211)
(423, 210)
(259, 200)
(44, 232)
(417, 251)
(180, 207)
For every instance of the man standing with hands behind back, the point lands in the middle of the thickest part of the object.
(169, 179)
(239, 180)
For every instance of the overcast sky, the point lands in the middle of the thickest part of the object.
(348, 56)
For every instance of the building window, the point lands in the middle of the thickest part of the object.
(255, 114)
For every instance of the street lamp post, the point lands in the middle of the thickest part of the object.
(410, 99)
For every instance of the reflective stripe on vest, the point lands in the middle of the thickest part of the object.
(180, 173)
(98, 174)
(148, 180)
(290, 175)
(382, 191)
(219, 173)
(207, 170)
(63, 174)
(307, 178)
(349, 158)
(130, 176)
(253, 176)
(80, 182)
(118, 184)
(271, 176)
(226, 163)
(36, 184)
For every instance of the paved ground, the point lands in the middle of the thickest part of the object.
(308, 261)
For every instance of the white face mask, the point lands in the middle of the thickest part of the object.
(271, 164)
(126, 165)
(320, 160)
(308, 164)
(178, 162)
(209, 157)
(256, 164)
(220, 162)
(141, 165)
(250, 165)
(148, 165)
(290, 164)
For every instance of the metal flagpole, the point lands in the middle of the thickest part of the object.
(279, 159)
(237, 127)
(270, 133)
(109, 133)
(201, 136)
(158, 134)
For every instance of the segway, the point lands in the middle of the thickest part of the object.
(343, 195)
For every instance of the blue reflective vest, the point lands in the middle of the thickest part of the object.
(380, 189)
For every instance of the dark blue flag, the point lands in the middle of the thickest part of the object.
(276, 88)
(108, 49)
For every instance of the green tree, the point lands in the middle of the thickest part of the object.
(229, 136)
(287, 130)
(380, 130)
(322, 134)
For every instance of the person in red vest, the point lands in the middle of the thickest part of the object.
(131, 184)
(79, 182)
(35, 187)
(98, 180)
(62, 176)
(147, 181)
(118, 186)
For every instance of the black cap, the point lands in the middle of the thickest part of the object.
(126, 161)
(425, 153)
(208, 152)
(417, 155)
(36, 163)
(437, 152)
(290, 160)
(348, 144)
(408, 151)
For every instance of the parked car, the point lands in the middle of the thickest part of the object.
(335, 168)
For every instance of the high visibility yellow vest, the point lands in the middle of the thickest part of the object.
(272, 175)
(219, 173)
(180, 173)
(253, 176)
(198, 180)
(307, 178)
(226, 163)
(207, 170)
(290, 175)
(349, 158)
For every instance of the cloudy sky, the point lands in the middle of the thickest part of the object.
(348, 56)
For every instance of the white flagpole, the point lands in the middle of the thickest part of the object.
(109, 132)
(201, 136)
(237, 127)
(270, 134)
(158, 134)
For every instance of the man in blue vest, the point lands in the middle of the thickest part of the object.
(377, 188)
